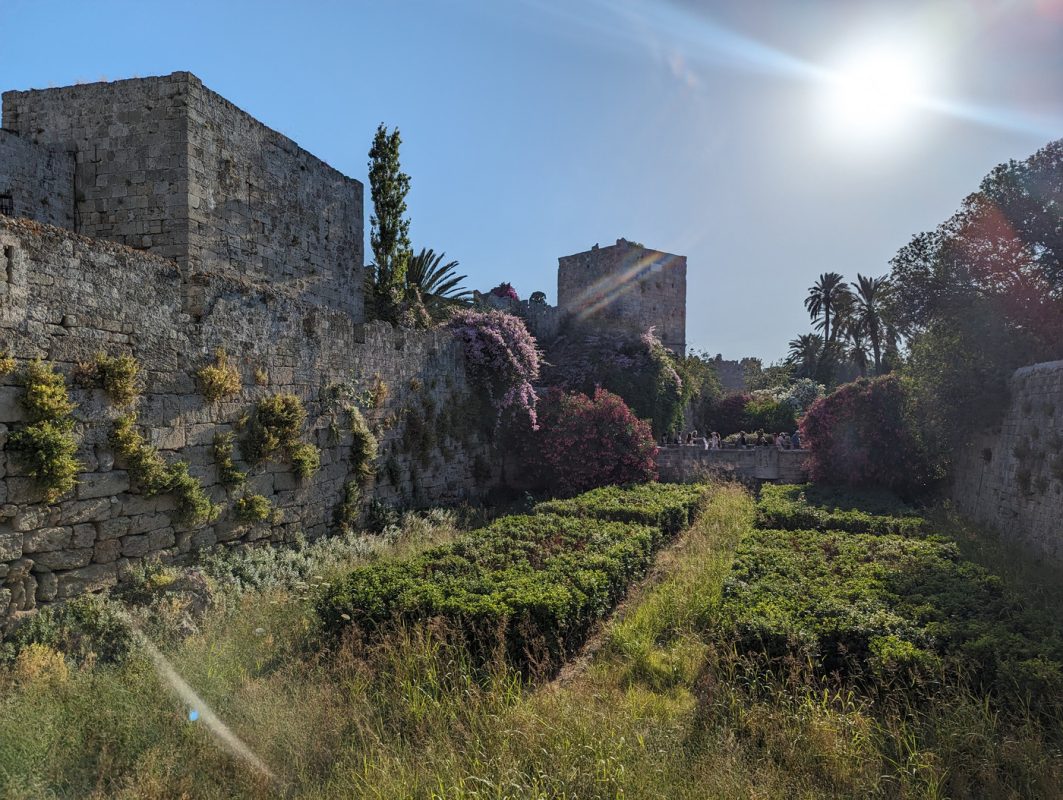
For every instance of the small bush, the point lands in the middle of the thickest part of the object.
(306, 460)
(155, 476)
(363, 448)
(47, 449)
(275, 425)
(119, 376)
(261, 376)
(7, 364)
(220, 379)
(88, 628)
(253, 508)
(47, 445)
(228, 473)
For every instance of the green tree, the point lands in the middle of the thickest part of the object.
(433, 284)
(389, 232)
(868, 298)
(825, 297)
(804, 354)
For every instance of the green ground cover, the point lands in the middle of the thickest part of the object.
(808, 507)
(532, 584)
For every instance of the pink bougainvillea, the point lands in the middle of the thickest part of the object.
(585, 442)
(859, 435)
(502, 357)
(505, 289)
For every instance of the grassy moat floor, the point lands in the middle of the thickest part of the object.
(707, 681)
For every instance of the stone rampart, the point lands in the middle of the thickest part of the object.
(67, 298)
(36, 182)
(1012, 478)
(683, 464)
(168, 166)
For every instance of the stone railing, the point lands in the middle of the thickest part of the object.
(683, 463)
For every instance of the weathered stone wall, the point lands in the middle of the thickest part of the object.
(166, 165)
(38, 181)
(131, 140)
(681, 464)
(259, 201)
(70, 297)
(1012, 478)
(628, 288)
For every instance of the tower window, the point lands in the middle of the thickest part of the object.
(7, 205)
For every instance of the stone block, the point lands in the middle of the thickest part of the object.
(102, 484)
(10, 546)
(47, 587)
(147, 522)
(46, 540)
(62, 559)
(87, 579)
(84, 535)
(77, 511)
(11, 409)
(107, 551)
(112, 528)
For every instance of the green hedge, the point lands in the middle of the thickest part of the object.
(668, 506)
(888, 606)
(534, 584)
(808, 507)
(531, 585)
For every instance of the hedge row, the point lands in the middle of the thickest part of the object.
(670, 507)
(530, 586)
(888, 606)
(808, 507)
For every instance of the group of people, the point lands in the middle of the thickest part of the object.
(781, 440)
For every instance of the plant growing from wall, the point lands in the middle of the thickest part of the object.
(274, 429)
(7, 364)
(47, 445)
(220, 379)
(119, 376)
(363, 448)
(253, 508)
(155, 476)
(228, 473)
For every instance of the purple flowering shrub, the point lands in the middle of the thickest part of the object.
(502, 357)
(505, 289)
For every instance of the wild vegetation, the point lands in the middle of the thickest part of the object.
(47, 445)
(661, 705)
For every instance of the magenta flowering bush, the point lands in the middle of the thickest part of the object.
(859, 435)
(502, 357)
(585, 442)
(505, 289)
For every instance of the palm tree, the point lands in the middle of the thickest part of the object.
(857, 350)
(804, 353)
(434, 283)
(825, 297)
(867, 311)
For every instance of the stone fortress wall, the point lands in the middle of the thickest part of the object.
(199, 229)
(1012, 478)
(36, 182)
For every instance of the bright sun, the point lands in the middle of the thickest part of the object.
(874, 92)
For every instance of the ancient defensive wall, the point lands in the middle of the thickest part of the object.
(1011, 478)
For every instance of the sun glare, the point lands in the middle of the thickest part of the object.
(874, 92)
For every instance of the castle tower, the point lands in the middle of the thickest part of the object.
(625, 289)
(166, 165)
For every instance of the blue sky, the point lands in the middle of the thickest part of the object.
(536, 128)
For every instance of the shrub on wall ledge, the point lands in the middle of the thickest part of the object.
(502, 357)
(47, 445)
(583, 443)
(859, 435)
(119, 376)
(274, 429)
(156, 477)
(220, 379)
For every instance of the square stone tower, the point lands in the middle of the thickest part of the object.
(625, 289)
(165, 164)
